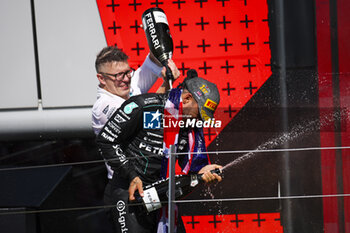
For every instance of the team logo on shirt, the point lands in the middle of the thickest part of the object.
(151, 120)
(129, 107)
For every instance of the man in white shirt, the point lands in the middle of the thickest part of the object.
(117, 82)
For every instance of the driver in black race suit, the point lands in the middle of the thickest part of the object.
(135, 142)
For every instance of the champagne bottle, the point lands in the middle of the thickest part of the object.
(158, 36)
(157, 192)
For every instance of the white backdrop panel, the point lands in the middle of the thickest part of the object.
(70, 34)
(18, 88)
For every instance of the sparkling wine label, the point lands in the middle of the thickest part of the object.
(151, 199)
(194, 181)
(160, 17)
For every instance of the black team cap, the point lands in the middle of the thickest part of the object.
(204, 92)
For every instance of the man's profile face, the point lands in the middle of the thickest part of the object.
(119, 88)
(190, 106)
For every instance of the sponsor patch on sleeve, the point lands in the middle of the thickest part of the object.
(105, 110)
(119, 118)
(129, 107)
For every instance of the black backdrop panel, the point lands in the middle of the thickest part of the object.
(32, 191)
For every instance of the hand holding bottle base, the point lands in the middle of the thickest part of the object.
(135, 184)
(211, 173)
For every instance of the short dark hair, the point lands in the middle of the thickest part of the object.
(109, 54)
